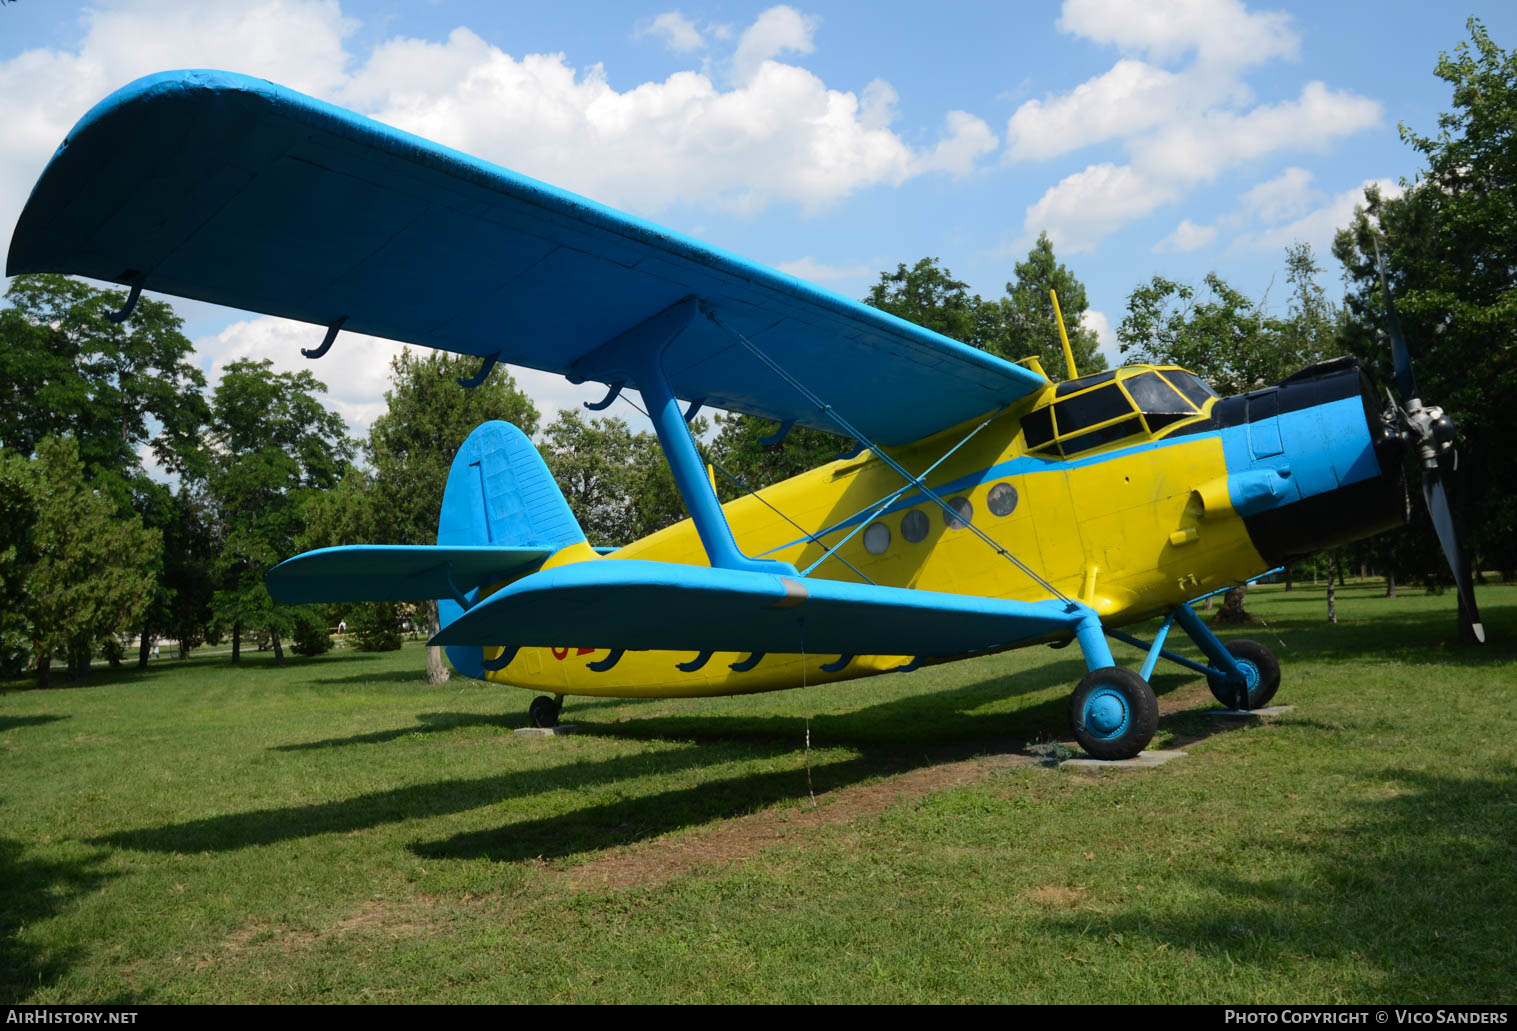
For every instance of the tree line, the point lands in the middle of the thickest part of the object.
(96, 552)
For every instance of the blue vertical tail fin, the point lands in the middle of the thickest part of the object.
(501, 494)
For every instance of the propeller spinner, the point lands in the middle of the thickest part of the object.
(1431, 432)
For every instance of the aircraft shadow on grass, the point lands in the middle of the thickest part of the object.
(36, 890)
(891, 738)
(14, 722)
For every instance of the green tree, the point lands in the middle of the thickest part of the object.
(928, 295)
(740, 449)
(1450, 246)
(1219, 334)
(272, 446)
(181, 606)
(114, 387)
(84, 574)
(593, 462)
(18, 553)
(610, 476)
(1030, 327)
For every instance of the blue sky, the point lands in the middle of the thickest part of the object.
(831, 140)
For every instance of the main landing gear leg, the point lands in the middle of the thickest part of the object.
(543, 712)
(1246, 674)
(1113, 710)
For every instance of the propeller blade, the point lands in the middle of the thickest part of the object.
(1400, 354)
(1443, 521)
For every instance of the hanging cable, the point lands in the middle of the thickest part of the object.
(810, 788)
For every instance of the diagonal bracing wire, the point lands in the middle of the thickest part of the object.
(831, 413)
(813, 538)
(917, 481)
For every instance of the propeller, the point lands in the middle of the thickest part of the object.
(1428, 429)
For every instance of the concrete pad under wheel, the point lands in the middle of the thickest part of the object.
(1141, 761)
(562, 728)
(1264, 713)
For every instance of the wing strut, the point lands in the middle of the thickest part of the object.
(637, 356)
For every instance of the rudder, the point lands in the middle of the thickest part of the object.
(499, 492)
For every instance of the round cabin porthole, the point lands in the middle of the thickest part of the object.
(914, 526)
(1002, 500)
(965, 513)
(876, 538)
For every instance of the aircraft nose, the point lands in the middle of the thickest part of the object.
(1337, 459)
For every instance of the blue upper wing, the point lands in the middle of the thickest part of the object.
(233, 190)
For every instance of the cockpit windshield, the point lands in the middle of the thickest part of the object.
(1094, 411)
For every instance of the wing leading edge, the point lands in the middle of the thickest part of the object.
(236, 191)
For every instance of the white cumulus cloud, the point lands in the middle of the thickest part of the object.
(814, 271)
(779, 30)
(1285, 196)
(1317, 226)
(1100, 325)
(678, 32)
(1216, 31)
(1082, 208)
(1180, 128)
(1188, 236)
(1131, 97)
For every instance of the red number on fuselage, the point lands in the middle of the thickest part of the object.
(563, 653)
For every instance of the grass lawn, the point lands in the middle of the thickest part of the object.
(339, 831)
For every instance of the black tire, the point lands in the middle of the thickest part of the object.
(1114, 713)
(543, 712)
(1262, 669)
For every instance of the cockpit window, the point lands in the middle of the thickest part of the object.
(1069, 386)
(1084, 410)
(1193, 389)
(1097, 437)
(1156, 397)
(1038, 428)
(1157, 400)
(1094, 411)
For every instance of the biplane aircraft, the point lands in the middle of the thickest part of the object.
(985, 507)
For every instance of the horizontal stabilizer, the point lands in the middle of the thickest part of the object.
(395, 572)
(626, 603)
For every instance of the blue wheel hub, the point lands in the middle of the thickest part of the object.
(1107, 713)
(1250, 674)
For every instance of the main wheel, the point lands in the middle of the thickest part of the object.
(1261, 671)
(1114, 713)
(543, 712)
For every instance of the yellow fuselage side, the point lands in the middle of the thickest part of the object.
(1126, 531)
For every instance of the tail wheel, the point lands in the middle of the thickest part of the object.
(1261, 671)
(1114, 713)
(543, 712)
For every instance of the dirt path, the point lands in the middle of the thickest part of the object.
(651, 863)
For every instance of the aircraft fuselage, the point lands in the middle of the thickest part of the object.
(1145, 519)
